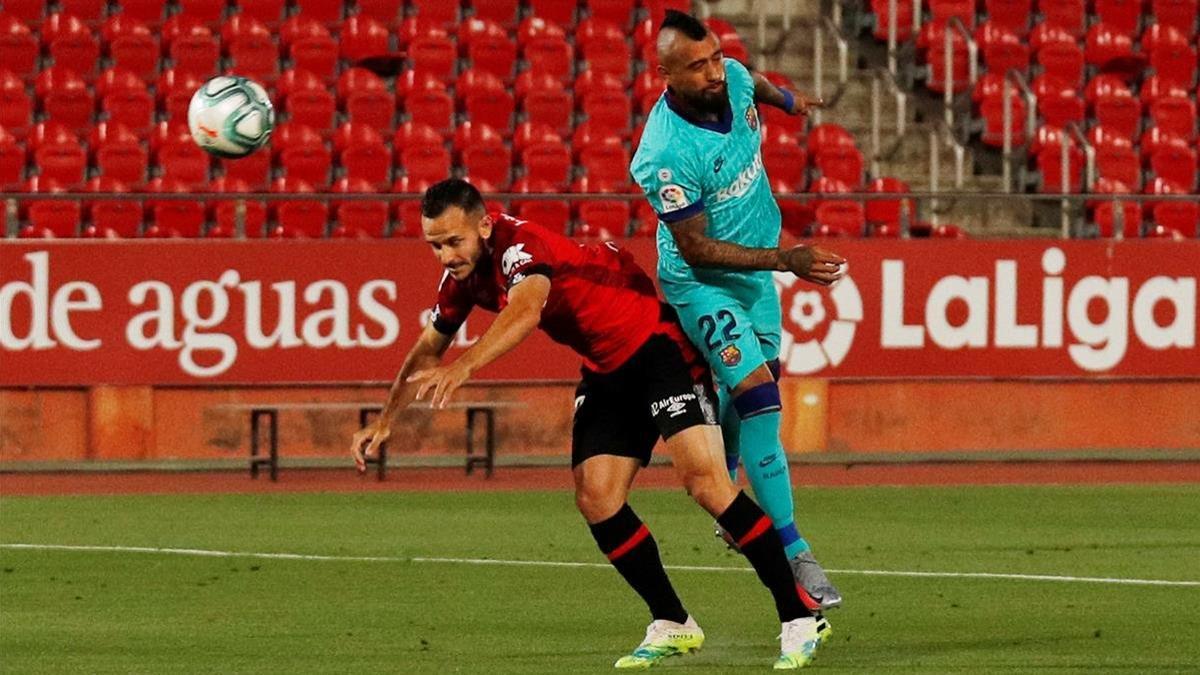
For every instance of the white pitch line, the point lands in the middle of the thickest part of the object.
(211, 553)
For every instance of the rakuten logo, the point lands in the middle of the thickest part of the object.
(1094, 345)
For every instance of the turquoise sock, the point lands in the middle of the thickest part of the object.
(766, 467)
(730, 432)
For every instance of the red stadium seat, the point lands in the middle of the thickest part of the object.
(1006, 55)
(365, 98)
(605, 162)
(174, 217)
(55, 218)
(359, 218)
(529, 133)
(1179, 14)
(149, 12)
(16, 106)
(425, 161)
(503, 12)
(942, 10)
(363, 36)
(251, 49)
(553, 214)
(586, 136)
(328, 12)
(604, 48)
(547, 163)
(488, 158)
(299, 218)
(843, 163)
(125, 99)
(1176, 62)
(889, 211)
(111, 218)
(493, 51)
(175, 90)
(619, 12)
(535, 27)
(310, 46)
(485, 99)
(1155, 139)
(828, 136)
(1121, 114)
(468, 133)
(1104, 84)
(1122, 15)
(407, 212)
(12, 161)
(934, 34)
(431, 106)
(193, 48)
(1061, 109)
(552, 106)
(433, 54)
(843, 216)
(1177, 164)
(225, 211)
(1046, 33)
(183, 161)
(557, 11)
(1068, 15)
(132, 46)
(370, 162)
(438, 11)
(992, 111)
(1063, 60)
(254, 169)
(312, 105)
(62, 161)
(308, 161)
(1154, 87)
(71, 43)
(904, 12)
(658, 8)
(551, 55)
(1106, 214)
(1182, 217)
(65, 97)
(1012, 15)
(18, 47)
(1117, 160)
(1049, 163)
(209, 12)
(122, 158)
(1107, 43)
(608, 110)
(1175, 114)
(785, 160)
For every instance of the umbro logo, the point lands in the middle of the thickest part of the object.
(718, 164)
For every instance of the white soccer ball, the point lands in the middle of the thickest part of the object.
(231, 116)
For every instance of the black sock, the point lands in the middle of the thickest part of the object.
(760, 543)
(631, 549)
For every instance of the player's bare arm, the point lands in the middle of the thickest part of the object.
(425, 353)
(795, 103)
(810, 263)
(513, 324)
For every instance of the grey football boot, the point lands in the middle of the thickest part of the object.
(811, 578)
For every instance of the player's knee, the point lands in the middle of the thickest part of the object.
(596, 503)
(759, 376)
(711, 490)
(758, 400)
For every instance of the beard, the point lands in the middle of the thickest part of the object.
(713, 102)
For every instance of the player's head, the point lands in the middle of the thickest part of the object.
(691, 61)
(456, 225)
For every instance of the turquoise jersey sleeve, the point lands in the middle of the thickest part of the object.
(668, 177)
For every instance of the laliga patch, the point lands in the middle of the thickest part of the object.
(731, 356)
(672, 198)
(752, 118)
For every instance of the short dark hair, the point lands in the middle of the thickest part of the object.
(450, 192)
(684, 23)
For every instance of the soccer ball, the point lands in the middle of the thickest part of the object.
(231, 116)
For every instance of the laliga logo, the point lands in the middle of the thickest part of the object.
(806, 310)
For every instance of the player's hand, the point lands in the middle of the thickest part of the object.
(443, 381)
(802, 104)
(815, 264)
(366, 443)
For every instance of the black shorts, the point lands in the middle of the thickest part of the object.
(661, 390)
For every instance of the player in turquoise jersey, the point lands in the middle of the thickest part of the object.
(700, 165)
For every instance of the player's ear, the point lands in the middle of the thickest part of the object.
(485, 226)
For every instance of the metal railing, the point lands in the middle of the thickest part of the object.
(1072, 133)
(1015, 80)
(955, 26)
(826, 26)
(882, 78)
(940, 136)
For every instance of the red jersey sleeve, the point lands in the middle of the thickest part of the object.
(452, 307)
(526, 254)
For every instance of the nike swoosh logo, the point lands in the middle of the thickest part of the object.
(766, 461)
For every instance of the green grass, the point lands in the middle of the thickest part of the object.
(103, 612)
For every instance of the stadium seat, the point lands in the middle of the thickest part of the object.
(71, 43)
(1155, 139)
(210, 12)
(124, 98)
(618, 12)
(1155, 87)
(16, 105)
(1012, 15)
(1047, 33)
(1179, 14)
(298, 218)
(1061, 109)
(488, 158)
(112, 217)
(608, 110)
(1107, 43)
(1175, 163)
(174, 217)
(359, 218)
(149, 12)
(1116, 159)
(992, 111)
(1175, 114)
(586, 135)
(57, 218)
(785, 160)
(553, 214)
(251, 49)
(1104, 84)
(367, 160)
(529, 133)
(328, 12)
(407, 212)
(310, 46)
(889, 211)
(310, 103)
(547, 163)
(121, 157)
(192, 46)
(307, 160)
(605, 162)
(438, 11)
(604, 47)
(1049, 164)
(1175, 61)
(843, 216)
(432, 106)
(1062, 60)
(131, 45)
(904, 12)
(1068, 15)
(489, 47)
(485, 99)
(184, 162)
(433, 54)
(934, 35)
(551, 105)
(658, 8)
(174, 91)
(1007, 52)
(62, 161)
(1181, 216)
(365, 98)
(551, 55)
(559, 12)
(254, 170)
(18, 47)
(1122, 15)
(468, 132)
(12, 161)
(425, 160)
(363, 36)
(1105, 217)
(65, 98)
(1119, 113)
(844, 163)
(225, 211)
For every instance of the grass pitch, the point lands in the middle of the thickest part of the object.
(129, 612)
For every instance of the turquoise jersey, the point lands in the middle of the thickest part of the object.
(686, 168)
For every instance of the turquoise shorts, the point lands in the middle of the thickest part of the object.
(736, 326)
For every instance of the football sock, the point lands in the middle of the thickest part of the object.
(758, 541)
(730, 430)
(631, 549)
(766, 462)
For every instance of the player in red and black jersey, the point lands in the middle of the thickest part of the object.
(641, 380)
